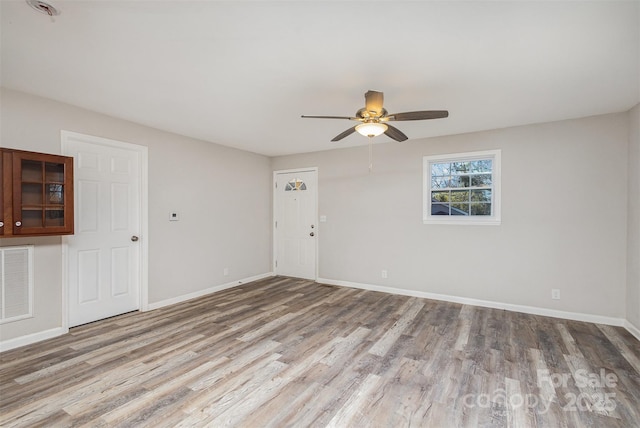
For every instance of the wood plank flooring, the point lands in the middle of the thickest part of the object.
(289, 352)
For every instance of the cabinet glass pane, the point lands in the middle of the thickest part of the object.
(31, 194)
(31, 171)
(54, 172)
(54, 217)
(31, 218)
(54, 194)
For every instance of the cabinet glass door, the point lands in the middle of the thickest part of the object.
(41, 199)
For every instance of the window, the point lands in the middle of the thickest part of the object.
(295, 185)
(462, 188)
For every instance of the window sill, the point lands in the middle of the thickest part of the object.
(464, 221)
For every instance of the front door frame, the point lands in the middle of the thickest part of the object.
(144, 219)
(273, 225)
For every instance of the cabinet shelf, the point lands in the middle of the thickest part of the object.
(43, 182)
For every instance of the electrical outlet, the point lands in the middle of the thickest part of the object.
(555, 294)
(385, 274)
(225, 271)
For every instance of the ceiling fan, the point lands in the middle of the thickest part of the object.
(373, 118)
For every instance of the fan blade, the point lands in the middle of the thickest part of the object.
(330, 117)
(373, 102)
(395, 133)
(419, 115)
(344, 134)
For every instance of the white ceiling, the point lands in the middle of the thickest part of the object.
(241, 73)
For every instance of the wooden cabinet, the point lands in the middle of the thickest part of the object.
(36, 194)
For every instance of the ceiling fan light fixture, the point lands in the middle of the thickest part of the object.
(44, 6)
(371, 129)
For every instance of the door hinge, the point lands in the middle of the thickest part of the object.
(276, 183)
(276, 224)
(276, 263)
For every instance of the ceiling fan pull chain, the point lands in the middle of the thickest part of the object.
(370, 154)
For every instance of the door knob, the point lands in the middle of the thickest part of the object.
(312, 234)
(134, 238)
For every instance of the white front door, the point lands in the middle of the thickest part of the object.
(296, 230)
(104, 254)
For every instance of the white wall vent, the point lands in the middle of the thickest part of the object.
(16, 283)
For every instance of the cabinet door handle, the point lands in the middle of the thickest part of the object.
(1, 223)
(134, 238)
(18, 223)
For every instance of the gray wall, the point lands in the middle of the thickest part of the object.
(564, 218)
(570, 213)
(222, 194)
(633, 221)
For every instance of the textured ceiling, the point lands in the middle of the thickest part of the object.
(241, 73)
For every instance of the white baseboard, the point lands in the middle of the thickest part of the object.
(29, 339)
(598, 319)
(632, 329)
(200, 293)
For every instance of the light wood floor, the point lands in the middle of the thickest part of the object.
(288, 352)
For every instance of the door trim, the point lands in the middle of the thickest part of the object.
(274, 252)
(143, 151)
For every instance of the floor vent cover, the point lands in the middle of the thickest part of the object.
(16, 283)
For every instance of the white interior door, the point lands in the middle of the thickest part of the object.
(104, 263)
(296, 230)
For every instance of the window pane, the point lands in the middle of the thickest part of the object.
(460, 167)
(460, 196)
(439, 182)
(459, 209)
(440, 196)
(440, 169)
(460, 181)
(481, 196)
(439, 209)
(482, 180)
(484, 165)
(480, 209)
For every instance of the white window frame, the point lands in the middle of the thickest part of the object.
(495, 217)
